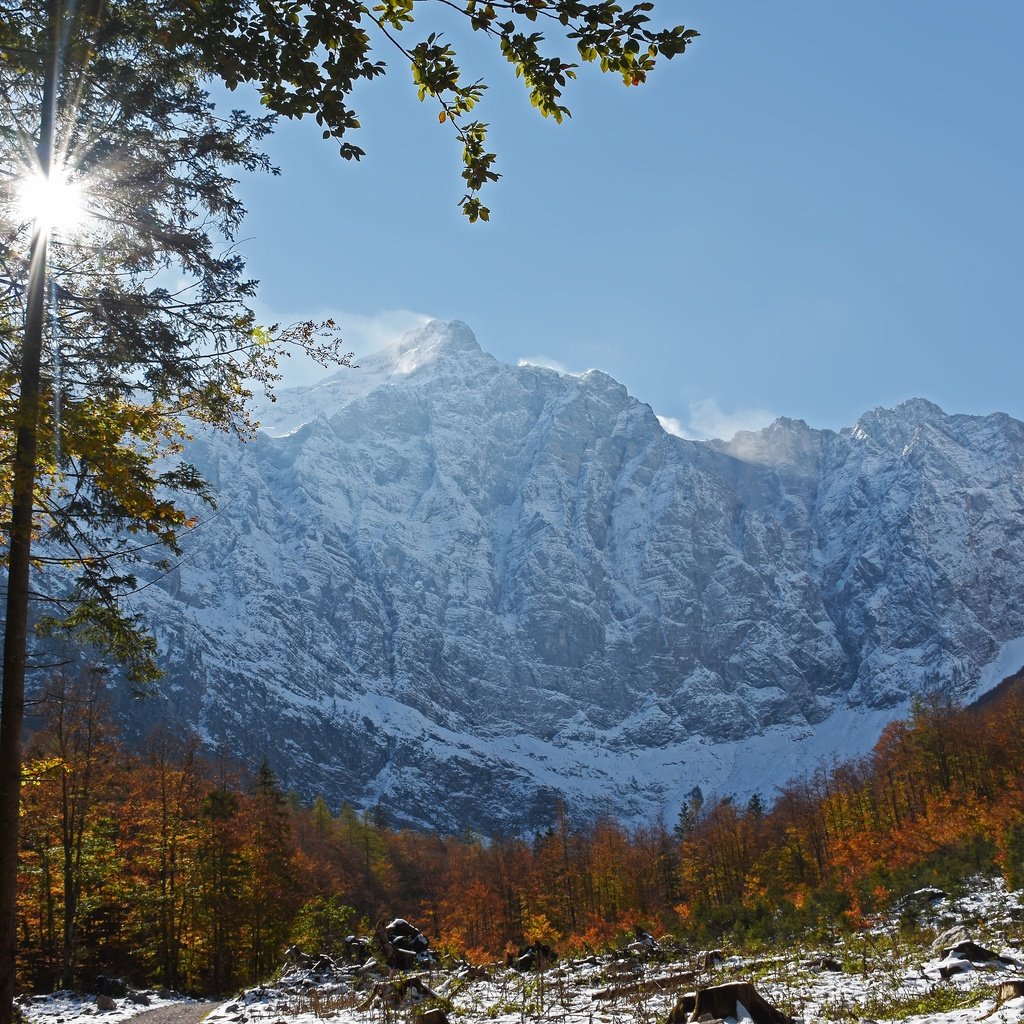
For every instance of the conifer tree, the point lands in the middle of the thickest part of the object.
(323, 823)
(221, 876)
(271, 897)
(689, 813)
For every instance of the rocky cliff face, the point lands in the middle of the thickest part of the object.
(463, 589)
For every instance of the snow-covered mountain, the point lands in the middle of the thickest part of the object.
(463, 589)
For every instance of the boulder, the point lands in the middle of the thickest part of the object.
(643, 944)
(114, 987)
(968, 949)
(399, 926)
(921, 898)
(404, 959)
(826, 963)
(324, 965)
(950, 937)
(403, 945)
(538, 956)
(105, 1002)
(951, 966)
(357, 948)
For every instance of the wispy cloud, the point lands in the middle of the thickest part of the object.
(707, 419)
(361, 333)
(673, 426)
(367, 333)
(547, 363)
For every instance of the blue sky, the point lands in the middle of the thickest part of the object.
(817, 210)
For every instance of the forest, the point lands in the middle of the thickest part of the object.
(168, 867)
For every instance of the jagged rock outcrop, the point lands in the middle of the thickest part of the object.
(461, 589)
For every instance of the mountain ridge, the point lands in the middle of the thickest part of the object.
(467, 590)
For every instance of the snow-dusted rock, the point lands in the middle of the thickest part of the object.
(464, 590)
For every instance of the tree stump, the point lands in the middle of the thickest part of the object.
(719, 1002)
(1009, 989)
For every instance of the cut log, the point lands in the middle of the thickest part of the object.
(637, 988)
(435, 1015)
(680, 1013)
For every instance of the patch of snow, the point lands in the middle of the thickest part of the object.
(73, 1007)
(1007, 662)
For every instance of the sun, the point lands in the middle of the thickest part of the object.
(55, 203)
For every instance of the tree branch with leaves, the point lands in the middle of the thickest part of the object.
(306, 58)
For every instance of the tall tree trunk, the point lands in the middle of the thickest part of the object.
(77, 740)
(12, 707)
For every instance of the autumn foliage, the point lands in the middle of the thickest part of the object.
(169, 868)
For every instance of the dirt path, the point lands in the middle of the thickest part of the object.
(181, 1013)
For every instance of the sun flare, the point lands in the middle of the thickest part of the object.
(55, 202)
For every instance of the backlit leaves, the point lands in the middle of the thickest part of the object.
(307, 58)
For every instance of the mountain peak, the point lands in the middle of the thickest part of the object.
(919, 408)
(784, 441)
(436, 341)
(437, 336)
(894, 428)
(913, 410)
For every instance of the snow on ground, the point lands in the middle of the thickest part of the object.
(72, 1007)
(876, 975)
